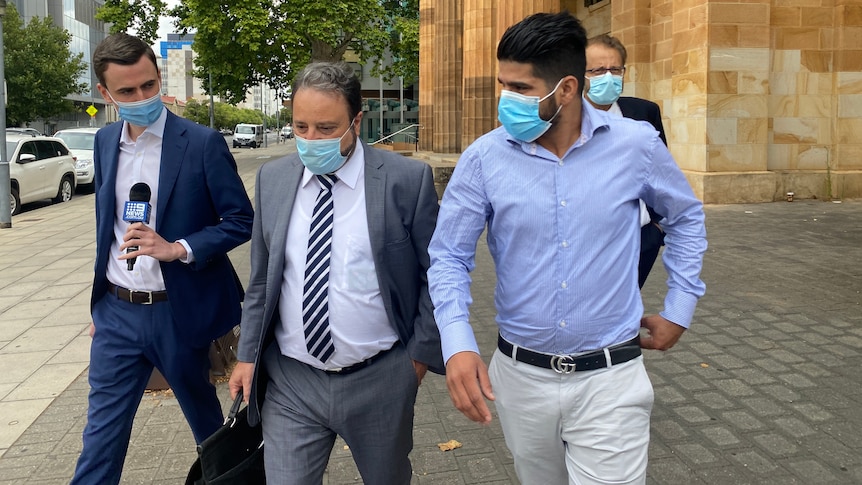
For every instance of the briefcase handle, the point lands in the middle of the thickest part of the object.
(234, 409)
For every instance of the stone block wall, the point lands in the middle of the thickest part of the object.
(758, 97)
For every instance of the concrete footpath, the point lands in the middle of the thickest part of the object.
(764, 388)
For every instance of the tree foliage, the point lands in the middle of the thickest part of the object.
(225, 115)
(245, 42)
(142, 16)
(40, 69)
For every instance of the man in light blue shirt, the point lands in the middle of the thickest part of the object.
(557, 188)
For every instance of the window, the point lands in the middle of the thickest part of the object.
(28, 148)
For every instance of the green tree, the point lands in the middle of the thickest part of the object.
(142, 16)
(197, 112)
(245, 42)
(40, 69)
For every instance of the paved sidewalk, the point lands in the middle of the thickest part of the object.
(765, 387)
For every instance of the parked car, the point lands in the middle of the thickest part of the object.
(80, 142)
(226, 131)
(23, 131)
(40, 167)
(286, 132)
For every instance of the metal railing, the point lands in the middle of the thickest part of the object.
(415, 138)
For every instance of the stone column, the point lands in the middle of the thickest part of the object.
(630, 23)
(480, 70)
(447, 74)
(846, 164)
(426, 74)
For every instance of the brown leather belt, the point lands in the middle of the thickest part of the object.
(137, 297)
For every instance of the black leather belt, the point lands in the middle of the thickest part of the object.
(566, 364)
(360, 365)
(137, 297)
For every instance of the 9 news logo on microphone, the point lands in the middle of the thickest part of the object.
(136, 211)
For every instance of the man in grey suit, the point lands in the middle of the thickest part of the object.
(337, 328)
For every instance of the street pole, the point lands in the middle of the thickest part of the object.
(5, 182)
(263, 103)
(381, 107)
(212, 105)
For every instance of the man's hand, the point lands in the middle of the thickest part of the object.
(92, 329)
(420, 369)
(240, 380)
(469, 385)
(662, 334)
(149, 243)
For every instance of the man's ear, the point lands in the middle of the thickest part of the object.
(569, 89)
(104, 92)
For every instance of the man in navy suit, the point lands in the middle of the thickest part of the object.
(181, 292)
(606, 64)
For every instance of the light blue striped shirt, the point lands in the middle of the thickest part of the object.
(565, 237)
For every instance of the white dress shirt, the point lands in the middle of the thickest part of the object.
(139, 161)
(357, 318)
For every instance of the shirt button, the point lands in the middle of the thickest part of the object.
(563, 203)
(561, 163)
(565, 244)
(564, 284)
(563, 324)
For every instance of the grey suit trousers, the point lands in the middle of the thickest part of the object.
(372, 409)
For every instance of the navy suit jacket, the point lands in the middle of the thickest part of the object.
(643, 110)
(201, 199)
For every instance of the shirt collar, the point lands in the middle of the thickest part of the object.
(156, 129)
(348, 173)
(592, 120)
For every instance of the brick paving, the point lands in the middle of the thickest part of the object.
(764, 388)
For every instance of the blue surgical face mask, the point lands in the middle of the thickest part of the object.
(519, 114)
(605, 89)
(140, 113)
(321, 156)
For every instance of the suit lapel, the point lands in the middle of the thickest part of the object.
(281, 208)
(375, 202)
(174, 145)
(109, 159)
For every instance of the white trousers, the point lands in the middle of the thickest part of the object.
(582, 428)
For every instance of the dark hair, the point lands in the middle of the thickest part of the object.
(553, 43)
(337, 77)
(611, 42)
(123, 49)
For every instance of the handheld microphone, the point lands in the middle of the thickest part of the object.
(137, 209)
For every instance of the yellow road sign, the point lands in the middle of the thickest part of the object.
(91, 110)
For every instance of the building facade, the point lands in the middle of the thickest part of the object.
(758, 97)
(78, 17)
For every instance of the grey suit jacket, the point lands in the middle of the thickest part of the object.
(401, 204)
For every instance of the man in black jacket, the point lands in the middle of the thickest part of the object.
(606, 61)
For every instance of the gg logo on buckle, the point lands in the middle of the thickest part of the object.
(563, 364)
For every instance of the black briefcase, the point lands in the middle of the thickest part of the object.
(233, 455)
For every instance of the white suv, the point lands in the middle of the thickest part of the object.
(80, 141)
(40, 167)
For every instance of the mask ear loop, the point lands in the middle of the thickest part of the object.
(355, 138)
(560, 107)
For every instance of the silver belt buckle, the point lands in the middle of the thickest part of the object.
(148, 293)
(563, 364)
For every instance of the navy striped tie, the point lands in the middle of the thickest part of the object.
(315, 295)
